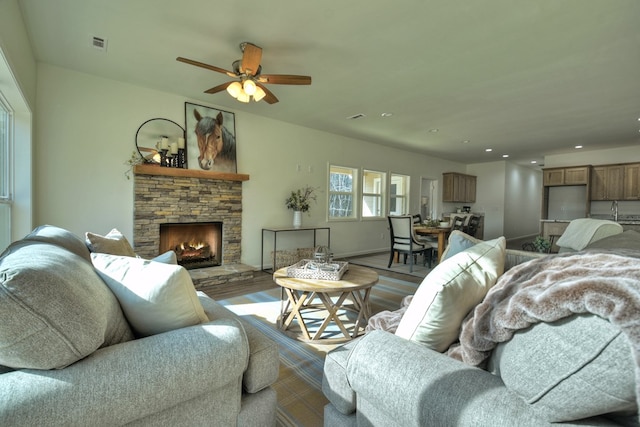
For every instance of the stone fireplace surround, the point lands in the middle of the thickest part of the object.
(170, 195)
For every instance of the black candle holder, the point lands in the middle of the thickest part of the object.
(163, 158)
(182, 158)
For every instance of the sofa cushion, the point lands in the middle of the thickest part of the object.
(61, 237)
(154, 296)
(113, 243)
(583, 231)
(54, 309)
(458, 241)
(574, 368)
(449, 292)
(168, 257)
(629, 239)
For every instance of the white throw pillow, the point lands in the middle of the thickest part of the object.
(155, 297)
(449, 292)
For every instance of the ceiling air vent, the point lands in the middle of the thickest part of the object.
(99, 43)
(356, 116)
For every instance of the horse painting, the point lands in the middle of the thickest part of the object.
(216, 144)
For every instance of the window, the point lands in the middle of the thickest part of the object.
(343, 184)
(373, 190)
(399, 195)
(5, 174)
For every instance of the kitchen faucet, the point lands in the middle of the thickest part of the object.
(614, 209)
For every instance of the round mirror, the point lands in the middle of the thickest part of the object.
(150, 134)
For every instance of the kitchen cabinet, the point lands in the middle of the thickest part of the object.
(578, 175)
(607, 182)
(631, 185)
(458, 187)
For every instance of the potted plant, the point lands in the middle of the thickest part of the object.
(300, 201)
(541, 244)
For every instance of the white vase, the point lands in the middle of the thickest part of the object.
(297, 219)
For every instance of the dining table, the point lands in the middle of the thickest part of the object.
(441, 232)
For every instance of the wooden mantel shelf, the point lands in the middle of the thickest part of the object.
(188, 173)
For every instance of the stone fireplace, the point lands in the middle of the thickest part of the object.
(190, 198)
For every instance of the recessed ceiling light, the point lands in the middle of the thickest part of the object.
(505, 156)
(488, 150)
(578, 146)
(434, 130)
(533, 162)
(466, 141)
(386, 114)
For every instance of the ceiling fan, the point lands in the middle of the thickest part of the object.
(251, 81)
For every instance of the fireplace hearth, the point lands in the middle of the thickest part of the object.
(197, 245)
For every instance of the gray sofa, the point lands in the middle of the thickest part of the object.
(575, 371)
(71, 358)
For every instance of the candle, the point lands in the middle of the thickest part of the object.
(165, 143)
(174, 148)
(180, 142)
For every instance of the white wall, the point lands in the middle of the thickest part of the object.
(490, 196)
(18, 85)
(85, 129)
(510, 195)
(523, 201)
(594, 157)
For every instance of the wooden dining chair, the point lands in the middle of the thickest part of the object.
(457, 223)
(403, 241)
(472, 227)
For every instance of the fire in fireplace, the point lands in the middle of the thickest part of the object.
(197, 245)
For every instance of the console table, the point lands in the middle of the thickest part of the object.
(276, 231)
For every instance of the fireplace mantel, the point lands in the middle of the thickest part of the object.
(188, 173)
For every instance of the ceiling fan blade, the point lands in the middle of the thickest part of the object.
(269, 98)
(251, 58)
(285, 79)
(206, 66)
(218, 88)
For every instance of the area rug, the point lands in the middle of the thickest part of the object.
(381, 261)
(299, 385)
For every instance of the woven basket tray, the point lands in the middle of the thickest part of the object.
(302, 270)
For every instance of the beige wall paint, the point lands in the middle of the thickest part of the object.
(85, 129)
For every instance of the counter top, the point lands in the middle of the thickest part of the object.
(621, 221)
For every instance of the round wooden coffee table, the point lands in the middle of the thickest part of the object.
(328, 297)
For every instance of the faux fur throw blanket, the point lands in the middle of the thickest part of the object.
(604, 283)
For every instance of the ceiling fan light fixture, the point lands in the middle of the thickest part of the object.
(249, 87)
(243, 97)
(234, 89)
(259, 94)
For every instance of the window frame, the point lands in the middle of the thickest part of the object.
(404, 197)
(355, 187)
(6, 171)
(381, 194)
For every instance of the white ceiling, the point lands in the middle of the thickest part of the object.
(524, 77)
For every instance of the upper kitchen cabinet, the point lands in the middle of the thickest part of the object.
(607, 182)
(578, 175)
(458, 187)
(631, 186)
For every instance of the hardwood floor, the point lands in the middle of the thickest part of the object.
(264, 281)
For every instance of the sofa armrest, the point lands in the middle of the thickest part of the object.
(124, 382)
(416, 386)
(264, 355)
